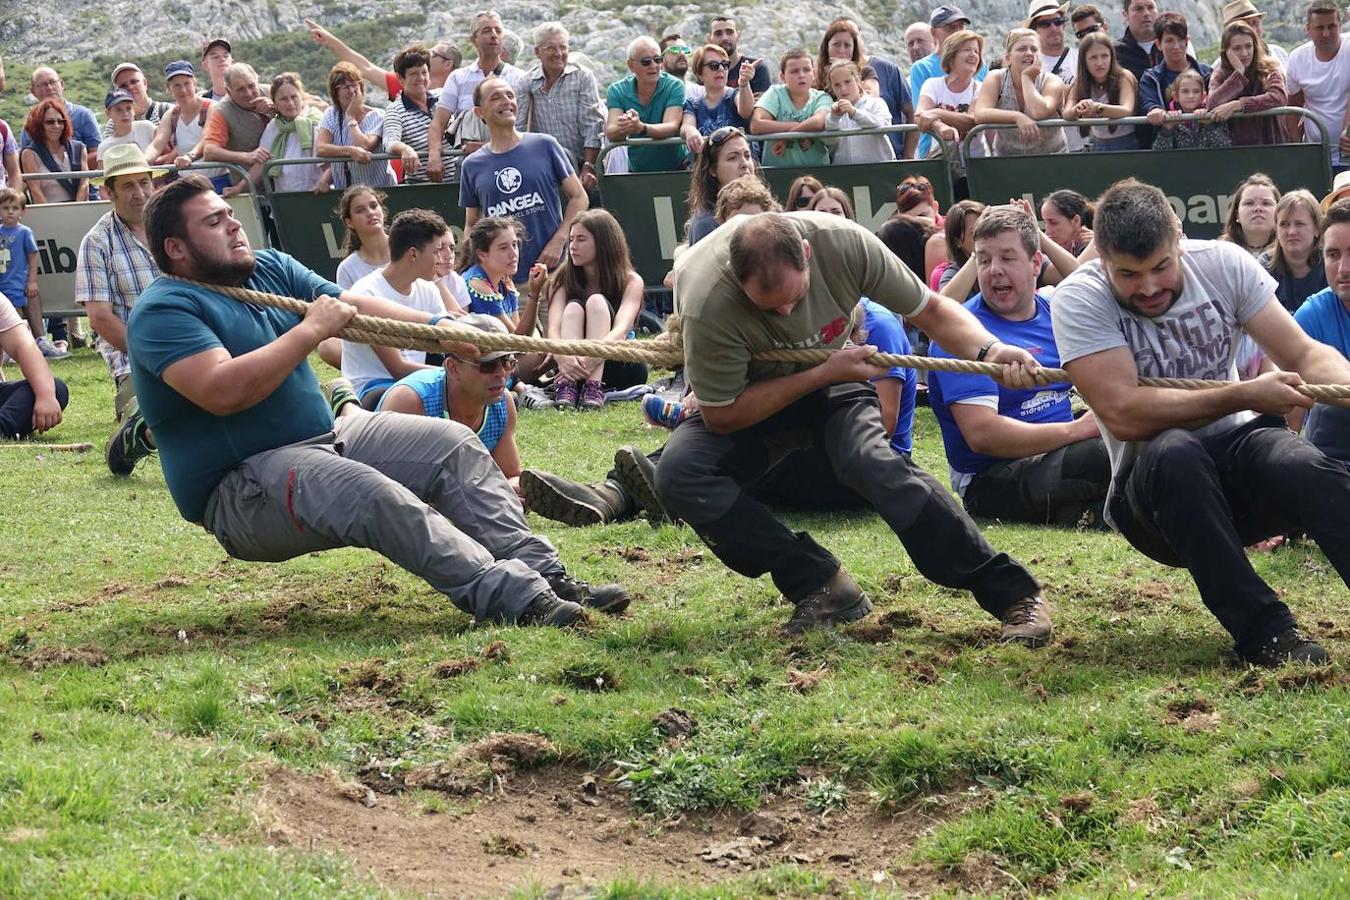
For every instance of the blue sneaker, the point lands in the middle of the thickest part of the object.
(662, 413)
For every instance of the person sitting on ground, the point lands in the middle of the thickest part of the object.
(1196, 476)
(1247, 80)
(217, 57)
(1250, 222)
(719, 106)
(128, 77)
(113, 266)
(234, 126)
(1102, 89)
(721, 159)
(352, 131)
(1017, 454)
(648, 103)
(365, 244)
(594, 295)
(1295, 259)
(249, 446)
(914, 197)
(488, 262)
(958, 236)
(1068, 220)
(407, 120)
(292, 135)
(444, 59)
(834, 201)
(945, 100)
(842, 42)
(52, 148)
(35, 402)
(19, 270)
(1186, 95)
(747, 195)
(178, 139)
(454, 292)
(1021, 94)
(908, 237)
(1173, 37)
(802, 190)
(561, 99)
(1325, 317)
(124, 128)
(793, 106)
(853, 110)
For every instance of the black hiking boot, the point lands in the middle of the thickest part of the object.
(569, 502)
(549, 609)
(637, 477)
(607, 598)
(838, 601)
(1289, 646)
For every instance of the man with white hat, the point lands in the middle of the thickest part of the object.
(114, 265)
(1245, 11)
(1049, 18)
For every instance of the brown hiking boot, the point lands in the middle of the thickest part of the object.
(1027, 622)
(836, 602)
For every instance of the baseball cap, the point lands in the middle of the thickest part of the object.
(484, 322)
(115, 97)
(946, 15)
(179, 67)
(123, 67)
(216, 42)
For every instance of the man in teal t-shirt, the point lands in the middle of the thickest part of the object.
(649, 103)
(250, 450)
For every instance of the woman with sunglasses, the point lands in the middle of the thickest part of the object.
(914, 196)
(53, 149)
(723, 157)
(719, 106)
(802, 191)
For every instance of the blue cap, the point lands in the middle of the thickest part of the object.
(179, 67)
(116, 97)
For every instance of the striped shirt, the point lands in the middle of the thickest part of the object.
(570, 111)
(114, 267)
(345, 173)
(406, 122)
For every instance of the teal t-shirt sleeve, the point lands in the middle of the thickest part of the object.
(674, 93)
(175, 331)
(305, 282)
(772, 101)
(615, 98)
(819, 100)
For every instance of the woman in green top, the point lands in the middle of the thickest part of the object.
(793, 106)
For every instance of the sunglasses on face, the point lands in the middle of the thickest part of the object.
(1086, 30)
(678, 48)
(717, 65)
(645, 61)
(500, 364)
(1056, 22)
(804, 201)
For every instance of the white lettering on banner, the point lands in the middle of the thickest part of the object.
(513, 205)
(330, 240)
(862, 208)
(667, 234)
(1198, 209)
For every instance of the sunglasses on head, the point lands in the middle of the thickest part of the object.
(647, 60)
(717, 65)
(724, 134)
(1086, 30)
(501, 363)
(905, 187)
(1056, 22)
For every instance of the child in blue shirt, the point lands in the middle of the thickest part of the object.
(19, 270)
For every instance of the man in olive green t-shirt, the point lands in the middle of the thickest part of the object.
(776, 281)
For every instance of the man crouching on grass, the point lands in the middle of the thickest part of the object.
(250, 450)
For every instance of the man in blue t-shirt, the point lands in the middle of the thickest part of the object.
(520, 176)
(1325, 316)
(250, 450)
(944, 22)
(1017, 454)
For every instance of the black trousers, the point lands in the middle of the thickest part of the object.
(1054, 488)
(1195, 502)
(16, 406)
(705, 479)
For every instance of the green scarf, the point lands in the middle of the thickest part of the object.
(302, 126)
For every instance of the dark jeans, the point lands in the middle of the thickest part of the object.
(705, 479)
(1054, 488)
(16, 406)
(1195, 502)
(619, 375)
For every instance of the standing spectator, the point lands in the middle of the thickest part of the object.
(648, 103)
(352, 130)
(1247, 80)
(1021, 94)
(19, 270)
(722, 32)
(1251, 214)
(1058, 57)
(851, 111)
(718, 106)
(444, 59)
(1295, 259)
(47, 85)
(126, 128)
(793, 106)
(945, 21)
(1318, 77)
(1087, 19)
(802, 191)
(1173, 37)
(595, 295)
(179, 138)
(458, 97)
(1137, 52)
(675, 55)
(292, 135)
(524, 176)
(52, 148)
(10, 173)
(561, 99)
(217, 58)
(945, 100)
(918, 41)
(1244, 11)
(1102, 89)
(234, 126)
(34, 403)
(407, 119)
(722, 158)
(843, 41)
(129, 77)
(365, 245)
(1187, 95)
(1068, 220)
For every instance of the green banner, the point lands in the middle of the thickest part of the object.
(1198, 183)
(311, 230)
(653, 206)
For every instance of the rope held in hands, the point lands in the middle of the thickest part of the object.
(664, 351)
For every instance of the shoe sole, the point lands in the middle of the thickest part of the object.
(860, 609)
(542, 498)
(1026, 640)
(613, 607)
(633, 476)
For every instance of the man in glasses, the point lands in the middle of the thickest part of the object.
(562, 100)
(675, 52)
(251, 452)
(1049, 19)
(649, 103)
(1087, 19)
(47, 83)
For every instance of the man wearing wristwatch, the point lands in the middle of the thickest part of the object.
(649, 103)
(561, 99)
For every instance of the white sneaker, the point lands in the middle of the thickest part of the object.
(52, 351)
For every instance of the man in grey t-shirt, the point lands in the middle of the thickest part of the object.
(1198, 475)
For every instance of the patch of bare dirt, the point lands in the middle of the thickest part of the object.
(1194, 715)
(48, 656)
(562, 828)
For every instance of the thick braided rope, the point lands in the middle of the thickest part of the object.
(664, 351)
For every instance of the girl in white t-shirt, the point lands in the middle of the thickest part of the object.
(853, 110)
(366, 245)
(944, 105)
(454, 292)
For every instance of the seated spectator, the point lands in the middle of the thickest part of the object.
(793, 106)
(125, 127)
(454, 292)
(1021, 94)
(1325, 317)
(914, 196)
(217, 58)
(648, 103)
(1068, 220)
(52, 148)
(45, 84)
(234, 126)
(718, 107)
(407, 119)
(1247, 80)
(408, 280)
(958, 234)
(1186, 95)
(1102, 89)
(1017, 454)
(352, 131)
(722, 158)
(907, 237)
(800, 192)
(843, 42)
(19, 270)
(10, 173)
(1251, 214)
(1173, 36)
(178, 139)
(594, 295)
(291, 135)
(1295, 259)
(853, 110)
(561, 99)
(365, 246)
(488, 262)
(34, 403)
(834, 201)
(945, 100)
(744, 196)
(129, 77)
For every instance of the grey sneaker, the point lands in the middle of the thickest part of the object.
(50, 350)
(549, 609)
(531, 396)
(1027, 622)
(637, 476)
(840, 600)
(1289, 646)
(607, 598)
(127, 446)
(556, 498)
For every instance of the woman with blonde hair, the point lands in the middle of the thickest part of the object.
(1295, 259)
(945, 102)
(1021, 94)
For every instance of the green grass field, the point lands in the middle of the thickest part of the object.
(151, 690)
